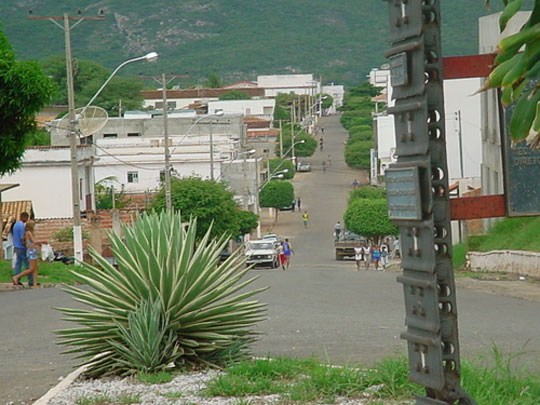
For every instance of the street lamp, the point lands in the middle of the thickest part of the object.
(77, 232)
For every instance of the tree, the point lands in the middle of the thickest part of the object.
(209, 202)
(279, 164)
(24, 91)
(301, 149)
(213, 81)
(327, 101)
(276, 194)
(105, 192)
(88, 77)
(369, 218)
(235, 95)
(246, 221)
(516, 71)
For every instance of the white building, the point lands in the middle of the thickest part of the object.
(138, 164)
(144, 126)
(45, 179)
(378, 77)
(301, 84)
(337, 92)
(263, 108)
(181, 99)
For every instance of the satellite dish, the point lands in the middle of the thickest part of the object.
(88, 120)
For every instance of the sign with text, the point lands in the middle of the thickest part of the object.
(522, 179)
(403, 194)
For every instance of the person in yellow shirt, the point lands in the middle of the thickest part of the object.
(305, 218)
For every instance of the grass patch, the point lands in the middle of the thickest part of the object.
(458, 255)
(172, 395)
(491, 381)
(512, 234)
(309, 380)
(156, 378)
(104, 399)
(48, 272)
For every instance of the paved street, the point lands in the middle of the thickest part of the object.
(320, 306)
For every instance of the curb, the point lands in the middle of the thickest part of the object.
(61, 386)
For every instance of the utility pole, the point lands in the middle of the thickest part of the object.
(245, 203)
(418, 201)
(75, 187)
(280, 139)
(211, 152)
(257, 208)
(293, 120)
(458, 113)
(168, 197)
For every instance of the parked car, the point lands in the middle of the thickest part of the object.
(274, 238)
(262, 253)
(303, 167)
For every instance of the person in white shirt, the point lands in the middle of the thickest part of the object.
(367, 256)
(358, 255)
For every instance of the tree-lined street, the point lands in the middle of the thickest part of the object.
(318, 307)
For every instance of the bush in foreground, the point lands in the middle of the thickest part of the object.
(169, 302)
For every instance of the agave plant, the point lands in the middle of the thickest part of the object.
(168, 287)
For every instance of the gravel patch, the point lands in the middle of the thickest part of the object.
(184, 389)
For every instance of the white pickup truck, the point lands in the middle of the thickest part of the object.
(261, 253)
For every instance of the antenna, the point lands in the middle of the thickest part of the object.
(88, 121)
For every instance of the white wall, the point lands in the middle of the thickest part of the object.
(458, 97)
(45, 179)
(263, 108)
(298, 84)
(337, 92)
(180, 102)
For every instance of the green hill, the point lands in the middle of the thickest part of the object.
(237, 39)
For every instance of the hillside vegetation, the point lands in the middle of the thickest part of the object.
(237, 39)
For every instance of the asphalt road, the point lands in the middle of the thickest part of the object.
(318, 307)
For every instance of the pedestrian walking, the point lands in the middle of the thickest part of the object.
(21, 260)
(376, 256)
(287, 250)
(384, 256)
(337, 230)
(321, 141)
(324, 166)
(32, 256)
(282, 257)
(329, 160)
(305, 218)
(367, 256)
(355, 183)
(298, 203)
(358, 255)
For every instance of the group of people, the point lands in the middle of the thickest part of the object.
(285, 250)
(365, 253)
(26, 253)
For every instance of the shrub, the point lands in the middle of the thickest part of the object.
(360, 136)
(360, 128)
(369, 218)
(168, 292)
(369, 192)
(357, 154)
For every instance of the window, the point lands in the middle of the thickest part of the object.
(110, 135)
(162, 175)
(132, 177)
(133, 134)
(268, 110)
